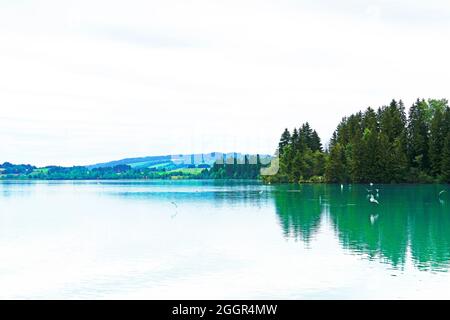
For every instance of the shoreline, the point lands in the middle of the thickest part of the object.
(259, 181)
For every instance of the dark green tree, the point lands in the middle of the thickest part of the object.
(336, 169)
(418, 135)
(315, 143)
(436, 141)
(445, 163)
(284, 141)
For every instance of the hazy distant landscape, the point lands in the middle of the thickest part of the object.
(200, 166)
(391, 144)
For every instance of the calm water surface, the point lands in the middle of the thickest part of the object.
(213, 240)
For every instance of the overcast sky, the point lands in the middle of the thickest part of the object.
(89, 81)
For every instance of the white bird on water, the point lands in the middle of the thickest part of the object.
(176, 210)
(373, 200)
(373, 218)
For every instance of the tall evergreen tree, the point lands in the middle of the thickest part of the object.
(445, 163)
(295, 139)
(305, 133)
(436, 141)
(418, 135)
(315, 143)
(399, 161)
(335, 168)
(392, 121)
(333, 140)
(284, 141)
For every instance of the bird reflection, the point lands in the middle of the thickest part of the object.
(408, 220)
(373, 218)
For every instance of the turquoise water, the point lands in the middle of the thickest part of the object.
(214, 240)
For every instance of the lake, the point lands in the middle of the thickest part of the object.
(222, 240)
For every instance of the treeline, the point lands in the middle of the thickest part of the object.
(248, 167)
(11, 171)
(301, 155)
(386, 145)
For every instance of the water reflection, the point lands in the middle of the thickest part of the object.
(410, 220)
(410, 223)
(299, 209)
(219, 193)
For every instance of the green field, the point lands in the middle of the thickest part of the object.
(188, 170)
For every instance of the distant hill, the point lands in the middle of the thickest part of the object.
(170, 162)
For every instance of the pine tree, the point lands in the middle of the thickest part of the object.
(392, 121)
(369, 120)
(305, 133)
(399, 162)
(285, 164)
(393, 151)
(298, 167)
(284, 141)
(445, 169)
(418, 136)
(436, 142)
(333, 140)
(401, 108)
(319, 163)
(294, 138)
(335, 168)
(315, 144)
(369, 163)
(355, 158)
(384, 160)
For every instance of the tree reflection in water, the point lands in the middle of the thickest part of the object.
(410, 220)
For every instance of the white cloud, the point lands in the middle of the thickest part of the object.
(89, 81)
